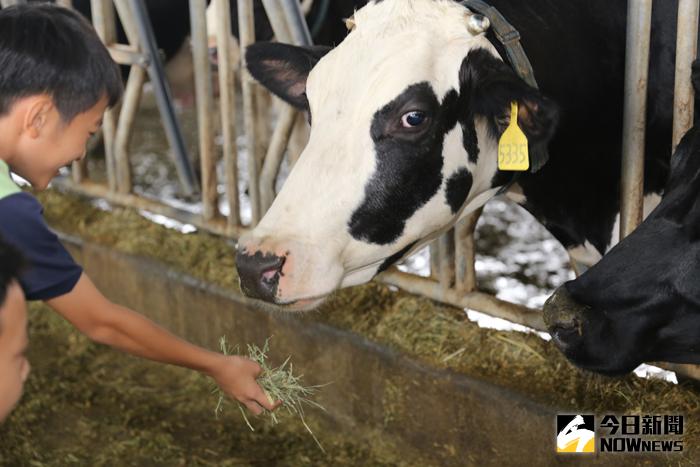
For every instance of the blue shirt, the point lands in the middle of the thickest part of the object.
(52, 272)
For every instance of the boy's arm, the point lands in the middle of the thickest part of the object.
(117, 326)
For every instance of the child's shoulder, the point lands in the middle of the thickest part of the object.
(7, 186)
(21, 207)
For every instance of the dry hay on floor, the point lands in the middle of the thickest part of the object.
(437, 334)
(86, 404)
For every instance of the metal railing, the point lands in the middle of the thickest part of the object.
(453, 278)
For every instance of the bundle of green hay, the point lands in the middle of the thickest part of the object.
(279, 383)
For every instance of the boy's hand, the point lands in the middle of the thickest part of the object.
(236, 376)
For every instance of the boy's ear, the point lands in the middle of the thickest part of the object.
(490, 85)
(283, 69)
(37, 113)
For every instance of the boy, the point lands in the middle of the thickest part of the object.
(14, 367)
(56, 80)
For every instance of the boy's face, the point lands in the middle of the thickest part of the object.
(14, 367)
(47, 143)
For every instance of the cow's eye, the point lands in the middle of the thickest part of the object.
(413, 119)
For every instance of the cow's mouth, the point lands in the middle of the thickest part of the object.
(303, 304)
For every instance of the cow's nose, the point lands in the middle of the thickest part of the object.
(260, 274)
(564, 317)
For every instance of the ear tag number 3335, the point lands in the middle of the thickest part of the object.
(512, 147)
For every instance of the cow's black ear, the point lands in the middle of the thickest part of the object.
(283, 68)
(490, 85)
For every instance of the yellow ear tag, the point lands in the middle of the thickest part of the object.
(512, 147)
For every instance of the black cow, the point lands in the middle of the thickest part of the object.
(641, 302)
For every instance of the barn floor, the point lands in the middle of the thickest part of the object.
(86, 404)
(142, 422)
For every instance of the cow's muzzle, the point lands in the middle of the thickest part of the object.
(564, 318)
(259, 274)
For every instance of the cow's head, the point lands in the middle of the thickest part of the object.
(641, 302)
(405, 117)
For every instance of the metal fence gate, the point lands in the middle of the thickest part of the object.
(453, 278)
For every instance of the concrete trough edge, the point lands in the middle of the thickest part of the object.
(432, 416)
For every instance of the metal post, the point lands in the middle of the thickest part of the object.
(298, 140)
(130, 102)
(296, 22)
(79, 171)
(125, 124)
(105, 25)
(446, 248)
(465, 253)
(686, 51)
(162, 92)
(434, 250)
(126, 15)
(246, 28)
(636, 75)
(274, 156)
(205, 107)
(227, 102)
(277, 21)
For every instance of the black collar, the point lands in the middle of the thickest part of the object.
(507, 39)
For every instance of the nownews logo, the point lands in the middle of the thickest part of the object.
(576, 433)
(626, 433)
(642, 433)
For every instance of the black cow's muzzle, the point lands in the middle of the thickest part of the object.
(564, 318)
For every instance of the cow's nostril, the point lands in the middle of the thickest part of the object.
(259, 274)
(565, 336)
(564, 317)
(270, 275)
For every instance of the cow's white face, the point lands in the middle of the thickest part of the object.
(405, 114)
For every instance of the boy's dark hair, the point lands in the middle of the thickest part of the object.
(46, 48)
(11, 264)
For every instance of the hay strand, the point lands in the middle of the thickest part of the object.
(279, 383)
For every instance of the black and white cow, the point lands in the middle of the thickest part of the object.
(641, 302)
(406, 113)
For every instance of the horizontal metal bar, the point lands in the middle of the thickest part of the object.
(478, 301)
(128, 55)
(688, 371)
(218, 226)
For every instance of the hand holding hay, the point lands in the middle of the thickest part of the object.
(236, 376)
(279, 384)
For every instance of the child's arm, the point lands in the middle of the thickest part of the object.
(108, 323)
